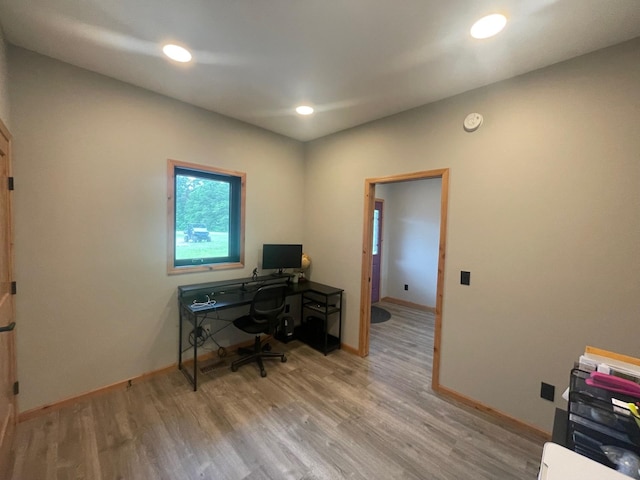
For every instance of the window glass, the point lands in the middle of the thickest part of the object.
(376, 229)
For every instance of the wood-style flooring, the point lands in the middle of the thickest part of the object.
(312, 418)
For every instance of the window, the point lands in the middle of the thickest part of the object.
(206, 218)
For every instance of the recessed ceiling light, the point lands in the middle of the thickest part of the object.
(304, 110)
(177, 53)
(488, 26)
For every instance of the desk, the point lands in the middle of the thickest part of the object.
(213, 297)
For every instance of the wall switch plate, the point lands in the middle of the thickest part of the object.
(465, 278)
(406, 287)
(548, 392)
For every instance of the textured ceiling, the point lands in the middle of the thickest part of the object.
(354, 60)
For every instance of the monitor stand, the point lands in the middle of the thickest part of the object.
(280, 274)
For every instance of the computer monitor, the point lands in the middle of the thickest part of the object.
(281, 256)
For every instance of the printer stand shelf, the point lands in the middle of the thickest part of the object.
(321, 309)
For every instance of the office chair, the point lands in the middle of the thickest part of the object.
(266, 307)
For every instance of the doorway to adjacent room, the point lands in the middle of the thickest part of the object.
(368, 247)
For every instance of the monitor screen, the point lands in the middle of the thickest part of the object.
(281, 256)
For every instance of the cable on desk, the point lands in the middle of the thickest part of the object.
(208, 303)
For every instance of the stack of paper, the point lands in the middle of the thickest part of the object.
(612, 363)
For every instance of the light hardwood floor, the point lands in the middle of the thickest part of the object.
(311, 418)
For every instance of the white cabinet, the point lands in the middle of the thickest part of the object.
(559, 463)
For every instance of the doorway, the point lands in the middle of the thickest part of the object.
(367, 261)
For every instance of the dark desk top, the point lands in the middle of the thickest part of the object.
(239, 292)
(234, 282)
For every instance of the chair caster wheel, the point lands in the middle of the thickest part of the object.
(263, 373)
(283, 359)
(222, 352)
(234, 368)
(266, 347)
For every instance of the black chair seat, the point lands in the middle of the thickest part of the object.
(248, 325)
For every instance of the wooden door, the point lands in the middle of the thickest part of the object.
(7, 309)
(376, 252)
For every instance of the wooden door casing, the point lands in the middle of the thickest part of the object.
(8, 406)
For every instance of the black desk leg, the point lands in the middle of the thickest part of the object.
(180, 338)
(193, 378)
(195, 353)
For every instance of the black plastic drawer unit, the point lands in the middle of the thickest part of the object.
(597, 418)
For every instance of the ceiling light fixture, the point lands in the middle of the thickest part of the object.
(488, 26)
(304, 110)
(177, 53)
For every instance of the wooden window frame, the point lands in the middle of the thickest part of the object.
(172, 167)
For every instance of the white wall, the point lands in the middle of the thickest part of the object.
(412, 234)
(4, 89)
(95, 305)
(544, 210)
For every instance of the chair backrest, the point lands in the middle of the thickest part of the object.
(267, 305)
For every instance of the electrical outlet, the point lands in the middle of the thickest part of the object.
(547, 391)
(206, 329)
